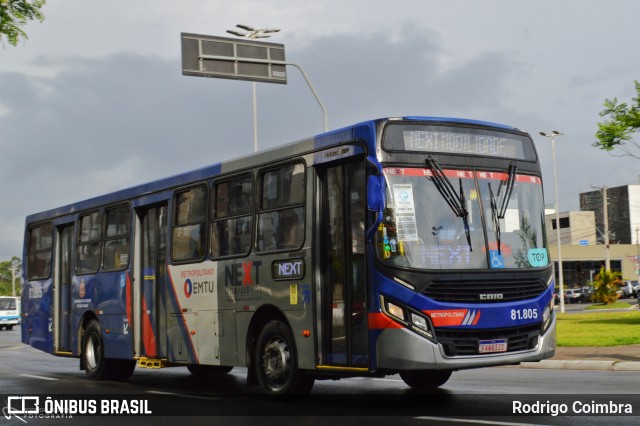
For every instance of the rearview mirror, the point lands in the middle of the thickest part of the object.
(376, 193)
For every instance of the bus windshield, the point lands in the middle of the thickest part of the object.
(486, 220)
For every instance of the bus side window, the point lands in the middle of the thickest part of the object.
(281, 216)
(189, 226)
(39, 252)
(89, 246)
(232, 225)
(116, 244)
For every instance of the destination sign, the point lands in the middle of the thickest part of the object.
(449, 139)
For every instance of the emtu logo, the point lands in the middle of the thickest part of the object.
(188, 288)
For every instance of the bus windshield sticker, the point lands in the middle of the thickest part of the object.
(497, 261)
(538, 257)
(405, 210)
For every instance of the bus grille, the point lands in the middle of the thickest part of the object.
(466, 342)
(484, 292)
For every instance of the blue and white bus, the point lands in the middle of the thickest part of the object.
(411, 245)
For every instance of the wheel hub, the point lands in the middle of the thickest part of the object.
(276, 361)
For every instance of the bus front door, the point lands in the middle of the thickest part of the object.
(149, 296)
(341, 228)
(62, 321)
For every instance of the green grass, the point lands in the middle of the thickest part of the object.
(599, 329)
(616, 305)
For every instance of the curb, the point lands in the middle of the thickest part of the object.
(583, 365)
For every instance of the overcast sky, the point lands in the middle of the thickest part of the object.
(95, 99)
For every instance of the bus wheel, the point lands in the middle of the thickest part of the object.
(95, 365)
(425, 379)
(208, 370)
(120, 369)
(277, 364)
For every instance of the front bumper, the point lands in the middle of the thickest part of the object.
(402, 349)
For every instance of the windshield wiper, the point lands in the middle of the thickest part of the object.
(497, 214)
(456, 202)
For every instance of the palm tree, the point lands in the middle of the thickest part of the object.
(606, 286)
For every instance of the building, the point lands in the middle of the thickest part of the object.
(582, 254)
(623, 211)
(581, 263)
(576, 228)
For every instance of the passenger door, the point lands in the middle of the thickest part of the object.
(62, 285)
(341, 229)
(150, 272)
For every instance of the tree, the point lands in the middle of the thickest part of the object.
(606, 286)
(622, 122)
(6, 286)
(16, 13)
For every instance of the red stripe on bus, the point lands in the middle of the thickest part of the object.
(148, 338)
(461, 174)
(128, 300)
(379, 321)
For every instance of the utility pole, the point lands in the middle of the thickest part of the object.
(605, 234)
(15, 267)
(252, 34)
(605, 207)
(552, 135)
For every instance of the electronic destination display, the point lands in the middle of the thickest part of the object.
(457, 140)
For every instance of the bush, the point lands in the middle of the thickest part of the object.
(606, 286)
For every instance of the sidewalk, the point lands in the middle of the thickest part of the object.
(608, 358)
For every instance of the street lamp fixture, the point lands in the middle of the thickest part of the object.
(552, 134)
(254, 33)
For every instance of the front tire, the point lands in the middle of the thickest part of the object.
(425, 379)
(276, 362)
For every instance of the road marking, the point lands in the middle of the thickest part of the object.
(37, 377)
(179, 395)
(481, 422)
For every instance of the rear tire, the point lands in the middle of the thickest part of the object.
(120, 369)
(96, 366)
(425, 379)
(276, 362)
(208, 370)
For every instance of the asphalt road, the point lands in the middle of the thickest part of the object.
(472, 396)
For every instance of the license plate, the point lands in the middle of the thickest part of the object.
(492, 346)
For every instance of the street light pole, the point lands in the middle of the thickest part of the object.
(637, 265)
(15, 266)
(553, 135)
(253, 33)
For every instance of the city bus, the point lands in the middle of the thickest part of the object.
(411, 245)
(9, 312)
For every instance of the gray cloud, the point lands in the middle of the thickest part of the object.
(100, 123)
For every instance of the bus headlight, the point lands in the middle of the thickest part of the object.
(413, 320)
(419, 322)
(396, 311)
